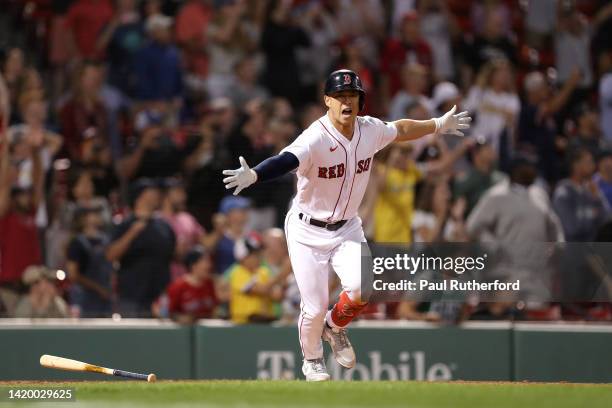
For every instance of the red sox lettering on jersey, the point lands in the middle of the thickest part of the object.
(338, 169)
(333, 172)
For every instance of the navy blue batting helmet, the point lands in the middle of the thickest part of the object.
(345, 80)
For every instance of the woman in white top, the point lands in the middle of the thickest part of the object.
(495, 101)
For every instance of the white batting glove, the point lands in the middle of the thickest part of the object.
(453, 124)
(240, 178)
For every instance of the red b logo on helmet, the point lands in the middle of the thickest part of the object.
(347, 79)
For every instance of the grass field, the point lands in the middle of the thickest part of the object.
(246, 394)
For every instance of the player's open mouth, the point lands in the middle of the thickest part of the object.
(347, 111)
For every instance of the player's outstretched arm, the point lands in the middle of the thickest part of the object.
(450, 122)
(268, 169)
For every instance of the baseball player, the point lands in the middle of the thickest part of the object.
(332, 159)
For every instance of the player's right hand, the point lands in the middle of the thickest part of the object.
(240, 178)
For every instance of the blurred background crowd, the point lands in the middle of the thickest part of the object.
(117, 117)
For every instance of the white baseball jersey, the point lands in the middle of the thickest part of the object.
(333, 173)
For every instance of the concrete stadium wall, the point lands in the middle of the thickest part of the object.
(495, 351)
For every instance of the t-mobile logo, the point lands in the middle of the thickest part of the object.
(275, 365)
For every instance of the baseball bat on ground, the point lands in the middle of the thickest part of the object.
(61, 363)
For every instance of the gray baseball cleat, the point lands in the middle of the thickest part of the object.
(315, 370)
(340, 345)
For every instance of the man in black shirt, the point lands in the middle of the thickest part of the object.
(154, 154)
(144, 246)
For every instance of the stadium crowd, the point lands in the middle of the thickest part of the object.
(117, 118)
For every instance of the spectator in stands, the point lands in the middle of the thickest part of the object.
(244, 88)
(13, 70)
(572, 47)
(87, 266)
(513, 216)
(415, 81)
(61, 47)
(192, 296)
(601, 24)
(315, 60)
(144, 246)
(230, 38)
(588, 133)
(437, 26)
(495, 102)
(81, 195)
(33, 110)
(603, 177)
(537, 124)
(577, 200)
(190, 31)
(249, 280)
(83, 112)
(276, 255)
(515, 211)
(430, 220)
(187, 230)
(280, 191)
(42, 300)
(248, 140)
(97, 159)
(31, 83)
(224, 116)
(540, 21)
(276, 258)
(279, 40)
(492, 44)
(233, 224)
(121, 39)
(158, 68)
(480, 11)
(363, 21)
(408, 48)
(392, 188)
(207, 158)
(481, 175)
(155, 153)
(86, 19)
(19, 237)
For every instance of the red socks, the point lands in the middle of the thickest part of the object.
(345, 310)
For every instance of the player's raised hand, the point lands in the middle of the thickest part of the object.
(240, 178)
(453, 123)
